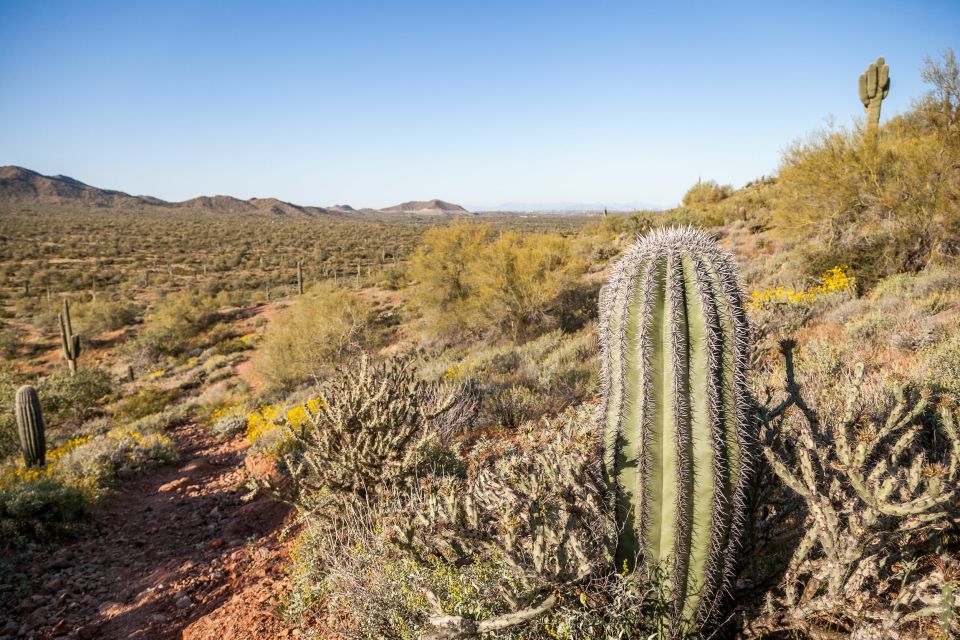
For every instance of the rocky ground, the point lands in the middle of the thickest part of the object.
(175, 553)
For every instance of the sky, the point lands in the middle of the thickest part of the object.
(475, 102)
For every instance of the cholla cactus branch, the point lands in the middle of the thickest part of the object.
(876, 495)
(369, 430)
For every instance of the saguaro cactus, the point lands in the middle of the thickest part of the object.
(874, 87)
(30, 426)
(69, 341)
(677, 432)
(299, 277)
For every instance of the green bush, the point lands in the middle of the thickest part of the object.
(706, 192)
(70, 399)
(175, 325)
(309, 339)
(470, 283)
(39, 509)
(145, 402)
(100, 316)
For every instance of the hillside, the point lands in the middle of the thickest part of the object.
(22, 188)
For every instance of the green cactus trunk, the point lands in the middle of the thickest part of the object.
(30, 426)
(69, 342)
(677, 434)
(300, 278)
(874, 87)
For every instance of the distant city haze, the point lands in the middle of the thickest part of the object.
(492, 105)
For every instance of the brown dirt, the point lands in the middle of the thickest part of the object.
(175, 554)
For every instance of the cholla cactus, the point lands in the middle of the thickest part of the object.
(30, 426)
(70, 343)
(369, 432)
(536, 505)
(874, 87)
(676, 431)
(879, 492)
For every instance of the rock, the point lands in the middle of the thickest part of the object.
(53, 584)
(88, 631)
(184, 602)
(174, 485)
(158, 618)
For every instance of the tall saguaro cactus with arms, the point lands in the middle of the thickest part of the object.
(677, 432)
(69, 341)
(874, 87)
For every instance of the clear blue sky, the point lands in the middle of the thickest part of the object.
(483, 102)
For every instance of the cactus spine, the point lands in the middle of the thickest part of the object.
(30, 426)
(677, 432)
(874, 87)
(69, 341)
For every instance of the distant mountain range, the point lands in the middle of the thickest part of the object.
(23, 187)
(569, 207)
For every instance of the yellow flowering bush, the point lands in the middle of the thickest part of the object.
(270, 428)
(832, 281)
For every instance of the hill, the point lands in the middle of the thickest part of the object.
(22, 187)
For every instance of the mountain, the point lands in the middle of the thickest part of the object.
(427, 208)
(570, 207)
(23, 187)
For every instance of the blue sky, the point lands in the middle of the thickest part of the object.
(373, 103)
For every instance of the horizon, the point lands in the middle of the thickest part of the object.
(539, 104)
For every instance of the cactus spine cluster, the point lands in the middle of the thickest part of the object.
(30, 426)
(676, 430)
(874, 87)
(69, 341)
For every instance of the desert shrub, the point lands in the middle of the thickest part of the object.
(706, 192)
(97, 464)
(100, 316)
(145, 402)
(942, 366)
(162, 420)
(881, 204)
(309, 339)
(11, 339)
(70, 399)
(229, 420)
(174, 326)
(231, 345)
(470, 283)
(38, 509)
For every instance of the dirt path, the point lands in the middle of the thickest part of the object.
(167, 557)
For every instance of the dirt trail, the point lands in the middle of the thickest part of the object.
(167, 557)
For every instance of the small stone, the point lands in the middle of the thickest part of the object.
(88, 631)
(158, 618)
(184, 602)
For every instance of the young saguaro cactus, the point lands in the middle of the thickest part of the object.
(874, 87)
(30, 426)
(299, 277)
(69, 341)
(677, 433)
